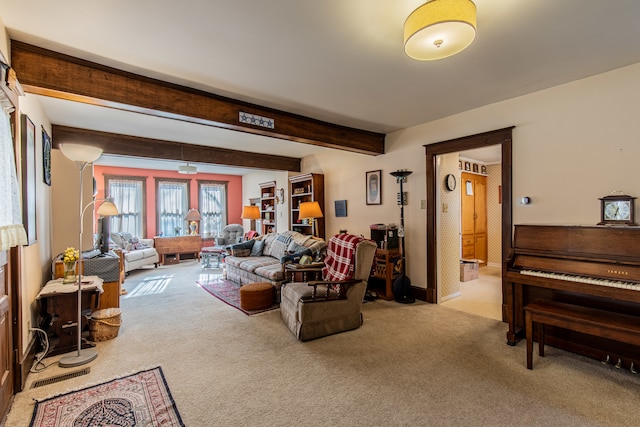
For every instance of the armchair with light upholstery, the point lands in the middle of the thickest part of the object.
(231, 233)
(320, 308)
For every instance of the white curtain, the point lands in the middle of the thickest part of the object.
(127, 195)
(12, 232)
(213, 209)
(173, 201)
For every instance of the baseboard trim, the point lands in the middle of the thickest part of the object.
(24, 366)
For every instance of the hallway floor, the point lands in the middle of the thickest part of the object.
(482, 296)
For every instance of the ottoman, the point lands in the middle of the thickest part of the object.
(256, 296)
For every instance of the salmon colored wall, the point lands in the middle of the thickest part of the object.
(234, 190)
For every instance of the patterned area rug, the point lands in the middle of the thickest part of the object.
(141, 399)
(229, 292)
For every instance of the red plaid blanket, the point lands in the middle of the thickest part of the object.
(339, 262)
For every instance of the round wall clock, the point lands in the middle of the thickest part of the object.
(617, 210)
(450, 182)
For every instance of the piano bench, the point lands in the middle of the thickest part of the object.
(590, 321)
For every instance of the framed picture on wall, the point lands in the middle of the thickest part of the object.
(28, 139)
(46, 157)
(341, 208)
(374, 187)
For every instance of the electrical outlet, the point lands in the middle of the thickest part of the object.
(445, 208)
(423, 204)
(28, 324)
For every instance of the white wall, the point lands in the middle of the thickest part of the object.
(251, 189)
(572, 144)
(36, 258)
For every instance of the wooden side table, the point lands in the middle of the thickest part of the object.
(59, 307)
(385, 272)
(303, 273)
(111, 273)
(170, 248)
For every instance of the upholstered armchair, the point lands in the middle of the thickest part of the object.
(231, 233)
(318, 308)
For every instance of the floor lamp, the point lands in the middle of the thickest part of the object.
(402, 284)
(83, 156)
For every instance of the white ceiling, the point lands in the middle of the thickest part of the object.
(339, 61)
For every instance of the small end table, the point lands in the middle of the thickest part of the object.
(303, 273)
(211, 251)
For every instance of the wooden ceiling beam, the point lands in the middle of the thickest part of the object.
(127, 145)
(53, 74)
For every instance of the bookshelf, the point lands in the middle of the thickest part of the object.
(306, 188)
(268, 207)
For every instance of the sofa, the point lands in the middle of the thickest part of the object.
(137, 252)
(261, 259)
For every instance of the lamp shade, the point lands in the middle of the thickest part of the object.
(108, 208)
(250, 212)
(439, 28)
(81, 153)
(193, 215)
(310, 210)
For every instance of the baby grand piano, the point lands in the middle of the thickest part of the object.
(591, 266)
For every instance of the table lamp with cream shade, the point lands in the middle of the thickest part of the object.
(193, 216)
(310, 211)
(83, 156)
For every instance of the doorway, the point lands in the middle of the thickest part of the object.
(480, 292)
(501, 137)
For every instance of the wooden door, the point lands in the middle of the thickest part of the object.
(6, 345)
(473, 214)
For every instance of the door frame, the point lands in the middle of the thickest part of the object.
(502, 137)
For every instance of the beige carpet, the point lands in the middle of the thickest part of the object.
(408, 365)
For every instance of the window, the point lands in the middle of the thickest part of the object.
(128, 195)
(172, 206)
(213, 207)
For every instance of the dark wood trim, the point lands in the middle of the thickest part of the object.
(500, 137)
(126, 145)
(53, 74)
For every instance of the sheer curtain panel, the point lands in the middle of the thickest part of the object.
(127, 195)
(173, 204)
(213, 209)
(12, 232)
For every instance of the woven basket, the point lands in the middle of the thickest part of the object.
(104, 324)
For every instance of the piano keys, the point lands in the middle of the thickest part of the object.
(592, 266)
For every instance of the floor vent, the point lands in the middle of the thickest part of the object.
(59, 378)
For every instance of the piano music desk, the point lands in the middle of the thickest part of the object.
(591, 321)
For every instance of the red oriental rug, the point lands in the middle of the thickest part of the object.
(141, 399)
(229, 293)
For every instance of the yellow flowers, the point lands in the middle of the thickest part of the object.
(70, 255)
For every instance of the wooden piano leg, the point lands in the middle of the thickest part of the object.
(529, 333)
(541, 339)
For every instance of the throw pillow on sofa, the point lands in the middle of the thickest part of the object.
(121, 239)
(257, 248)
(280, 245)
(242, 249)
(136, 244)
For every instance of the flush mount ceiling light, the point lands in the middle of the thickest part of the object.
(439, 28)
(187, 169)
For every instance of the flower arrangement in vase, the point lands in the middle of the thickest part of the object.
(70, 257)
